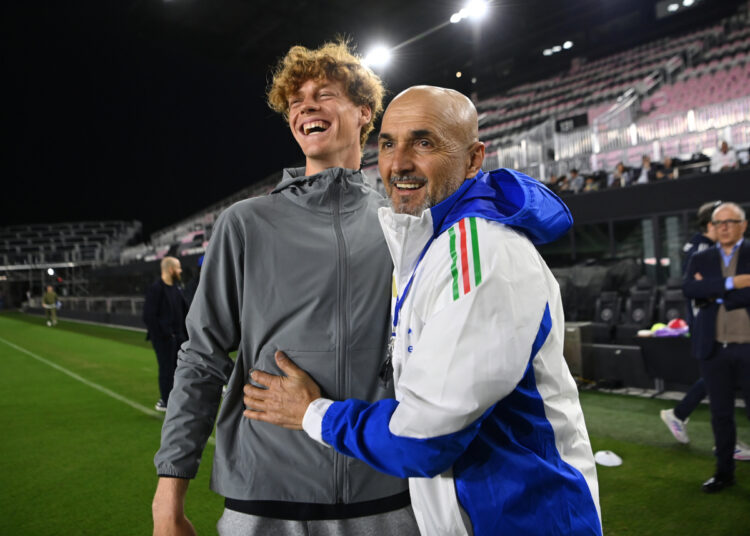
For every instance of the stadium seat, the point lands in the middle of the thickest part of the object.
(672, 303)
(639, 311)
(606, 316)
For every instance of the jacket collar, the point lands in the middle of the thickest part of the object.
(319, 192)
(406, 236)
(504, 195)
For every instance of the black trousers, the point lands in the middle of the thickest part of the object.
(726, 368)
(691, 400)
(166, 355)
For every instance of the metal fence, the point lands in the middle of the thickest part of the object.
(127, 305)
(734, 113)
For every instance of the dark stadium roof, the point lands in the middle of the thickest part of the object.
(153, 109)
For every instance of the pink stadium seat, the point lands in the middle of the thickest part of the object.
(708, 139)
(670, 147)
(609, 160)
(690, 144)
(633, 155)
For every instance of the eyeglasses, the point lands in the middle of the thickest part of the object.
(719, 223)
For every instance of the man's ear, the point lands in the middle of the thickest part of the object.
(365, 115)
(476, 157)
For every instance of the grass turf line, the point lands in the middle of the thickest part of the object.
(75, 461)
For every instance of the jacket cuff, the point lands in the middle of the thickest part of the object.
(166, 470)
(312, 422)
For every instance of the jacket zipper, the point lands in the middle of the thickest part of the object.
(339, 470)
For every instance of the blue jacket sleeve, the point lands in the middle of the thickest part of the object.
(359, 429)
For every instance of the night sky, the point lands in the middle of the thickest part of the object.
(102, 124)
(107, 115)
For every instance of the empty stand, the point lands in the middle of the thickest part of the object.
(76, 242)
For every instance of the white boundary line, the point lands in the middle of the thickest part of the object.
(109, 393)
(135, 405)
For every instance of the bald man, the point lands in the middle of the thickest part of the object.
(164, 313)
(486, 422)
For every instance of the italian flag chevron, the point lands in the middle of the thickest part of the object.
(466, 268)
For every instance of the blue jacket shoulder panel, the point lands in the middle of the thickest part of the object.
(508, 197)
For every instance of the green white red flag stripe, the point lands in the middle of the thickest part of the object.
(465, 261)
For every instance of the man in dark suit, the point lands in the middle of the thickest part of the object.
(646, 173)
(676, 419)
(719, 280)
(164, 313)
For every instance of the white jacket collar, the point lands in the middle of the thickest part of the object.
(406, 236)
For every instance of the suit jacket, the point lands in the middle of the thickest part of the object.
(705, 292)
(159, 315)
(636, 174)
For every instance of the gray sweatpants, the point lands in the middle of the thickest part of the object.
(399, 522)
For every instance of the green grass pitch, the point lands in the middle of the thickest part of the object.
(77, 456)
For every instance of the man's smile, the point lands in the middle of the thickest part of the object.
(410, 183)
(315, 127)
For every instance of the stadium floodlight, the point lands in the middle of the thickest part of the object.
(378, 56)
(556, 48)
(547, 52)
(688, 3)
(476, 9)
(567, 45)
(50, 272)
(673, 7)
(459, 74)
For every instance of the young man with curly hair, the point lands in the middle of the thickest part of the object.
(305, 268)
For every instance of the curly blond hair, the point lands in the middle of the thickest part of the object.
(333, 61)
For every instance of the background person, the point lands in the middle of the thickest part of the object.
(724, 159)
(619, 178)
(646, 173)
(668, 170)
(575, 181)
(591, 184)
(676, 419)
(718, 279)
(49, 304)
(164, 312)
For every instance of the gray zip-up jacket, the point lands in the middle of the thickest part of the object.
(304, 270)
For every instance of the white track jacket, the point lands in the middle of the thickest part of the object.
(486, 423)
